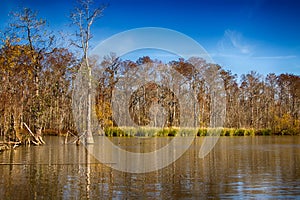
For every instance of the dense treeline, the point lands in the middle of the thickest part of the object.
(37, 76)
(263, 104)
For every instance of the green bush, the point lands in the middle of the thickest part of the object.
(202, 132)
(163, 132)
(188, 131)
(249, 132)
(264, 132)
(286, 132)
(145, 131)
(114, 132)
(172, 132)
(227, 132)
(129, 131)
(239, 132)
(167, 132)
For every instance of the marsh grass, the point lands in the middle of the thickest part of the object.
(176, 131)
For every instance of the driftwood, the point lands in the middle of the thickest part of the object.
(3, 147)
(26, 138)
(39, 136)
(76, 138)
(38, 140)
(66, 139)
(8, 145)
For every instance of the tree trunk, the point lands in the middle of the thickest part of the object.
(89, 135)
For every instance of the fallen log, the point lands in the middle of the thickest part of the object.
(37, 139)
(8, 145)
(40, 139)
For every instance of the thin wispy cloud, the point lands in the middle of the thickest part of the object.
(234, 41)
(234, 45)
(275, 57)
(238, 53)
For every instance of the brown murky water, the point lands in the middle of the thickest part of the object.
(238, 167)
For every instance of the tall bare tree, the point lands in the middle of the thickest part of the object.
(83, 17)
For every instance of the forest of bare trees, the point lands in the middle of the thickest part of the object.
(253, 101)
(37, 74)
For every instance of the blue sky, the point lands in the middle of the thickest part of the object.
(241, 35)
